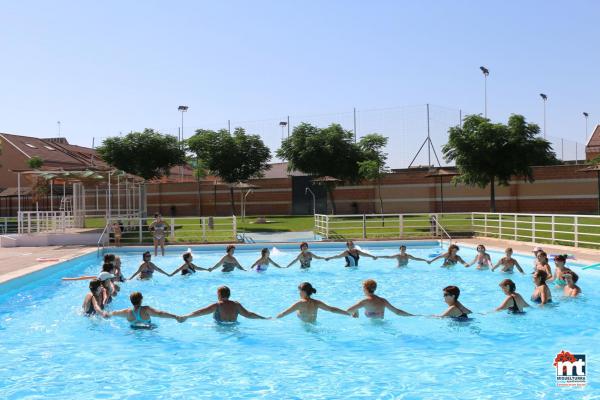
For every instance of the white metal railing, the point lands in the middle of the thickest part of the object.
(135, 230)
(563, 229)
(442, 233)
(44, 221)
(104, 237)
(417, 225)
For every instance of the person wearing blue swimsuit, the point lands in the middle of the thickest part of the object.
(139, 316)
(559, 262)
(305, 257)
(93, 301)
(455, 307)
(513, 302)
(541, 294)
(224, 310)
(351, 254)
(262, 264)
(374, 305)
(188, 267)
(228, 262)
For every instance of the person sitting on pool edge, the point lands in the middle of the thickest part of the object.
(541, 294)
(455, 307)
(305, 257)
(262, 264)
(374, 305)
(351, 254)
(513, 302)
(403, 257)
(139, 315)
(508, 262)
(147, 268)
(306, 308)
(571, 278)
(450, 257)
(228, 261)
(188, 267)
(92, 303)
(224, 310)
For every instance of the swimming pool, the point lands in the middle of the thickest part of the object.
(47, 350)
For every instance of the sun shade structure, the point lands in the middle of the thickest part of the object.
(594, 168)
(441, 173)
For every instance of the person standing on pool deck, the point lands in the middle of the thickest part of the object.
(374, 305)
(158, 228)
(117, 233)
(403, 257)
(455, 307)
(483, 259)
(224, 310)
(306, 308)
(139, 315)
(262, 264)
(147, 268)
(92, 303)
(228, 261)
(450, 257)
(188, 267)
(571, 289)
(513, 302)
(508, 262)
(541, 294)
(305, 257)
(351, 254)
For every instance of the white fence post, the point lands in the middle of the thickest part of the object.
(533, 239)
(500, 226)
(576, 231)
(172, 226)
(140, 229)
(364, 223)
(203, 221)
(553, 228)
(234, 226)
(485, 233)
(400, 225)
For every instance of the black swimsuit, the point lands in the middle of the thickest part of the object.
(514, 308)
(352, 260)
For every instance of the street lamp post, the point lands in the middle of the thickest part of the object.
(486, 72)
(182, 109)
(586, 115)
(282, 124)
(544, 99)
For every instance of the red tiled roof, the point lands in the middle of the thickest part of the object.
(595, 138)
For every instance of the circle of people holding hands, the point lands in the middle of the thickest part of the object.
(105, 285)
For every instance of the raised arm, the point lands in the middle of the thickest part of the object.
(136, 273)
(397, 311)
(294, 260)
(289, 310)
(497, 265)
(354, 309)
(161, 314)
(313, 255)
(437, 258)
(362, 253)
(177, 270)
(416, 258)
(395, 256)
(120, 313)
(342, 254)
(203, 311)
(159, 270)
(248, 314)
(274, 263)
(504, 304)
(329, 308)
(217, 265)
(255, 263)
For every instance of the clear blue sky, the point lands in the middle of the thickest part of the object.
(114, 66)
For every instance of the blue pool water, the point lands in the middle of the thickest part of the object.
(48, 350)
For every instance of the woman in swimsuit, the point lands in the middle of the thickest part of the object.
(559, 262)
(305, 257)
(535, 251)
(403, 257)
(188, 267)
(351, 254)
(108, 279)
(117, 233)
(483, 259)
(158, 228)
(374, 305)
(571, 289)
(541, 264)
(224, 310)
(450, 257)
(455, 307)
(508, 262)
(513, 302)
(139, 315)
(262, 264)
(147, 268)
(228, 262)
(306, 308)
(92, 303)
(541, 294)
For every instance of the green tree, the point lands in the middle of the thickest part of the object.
(40, 186)
(489, 153)
(35, 162)
(323, 152)
(233, 157)
(148, 154)
(373, 168)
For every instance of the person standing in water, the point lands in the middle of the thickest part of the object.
(262, 264)
(451, 257)
(541, 294)
(513, 302)
(483, 259)
(305, 257)
(374, 305)
(403, 257)
(543, 265)
(351, 254)
(455, 307)
(571, 289)
(224, 310)
(158, 228)
(139, 315)
(188, 267)
(147, 268)
(508, 262)
(559, 270)
(228, 261)
(306, 308)
(92, 303)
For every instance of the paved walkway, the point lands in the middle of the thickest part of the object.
(19, 261)
(300, 236)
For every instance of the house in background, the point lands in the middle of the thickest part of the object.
(592, 148)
